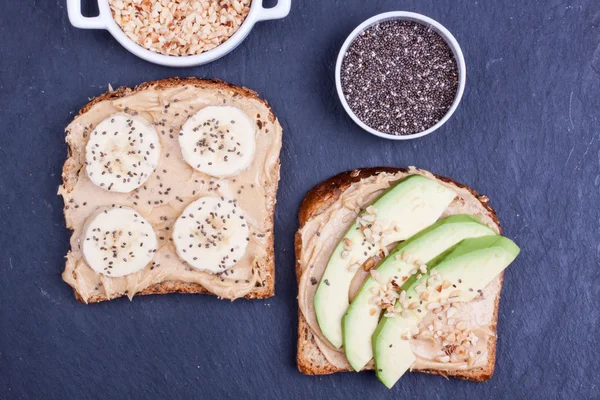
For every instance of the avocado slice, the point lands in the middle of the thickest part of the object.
(362, 316)
(469, 267)
(412, 204)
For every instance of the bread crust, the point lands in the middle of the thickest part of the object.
(264, 289)
(310, 359)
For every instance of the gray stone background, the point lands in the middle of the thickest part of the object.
(526, 134)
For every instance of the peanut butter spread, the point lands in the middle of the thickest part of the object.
(172, 186)
(456, 339)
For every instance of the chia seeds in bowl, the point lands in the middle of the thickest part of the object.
(399, 77)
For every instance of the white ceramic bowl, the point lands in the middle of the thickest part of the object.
(105, 21)
(406, 16)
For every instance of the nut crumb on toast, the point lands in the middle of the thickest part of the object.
(310, 358)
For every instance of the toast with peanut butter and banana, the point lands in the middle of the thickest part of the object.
(398, 270)
(170, 187)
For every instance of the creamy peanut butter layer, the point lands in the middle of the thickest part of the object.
(172, 187)
(440, 344)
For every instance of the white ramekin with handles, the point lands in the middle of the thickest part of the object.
(105, 21)
(404, 16)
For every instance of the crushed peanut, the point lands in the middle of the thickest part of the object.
(347, 244)
(179, 27)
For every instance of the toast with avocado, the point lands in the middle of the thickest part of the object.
(384, 256)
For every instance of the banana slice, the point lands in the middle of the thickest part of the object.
(122, 153)
(211, 234)
(218, 140)
(117, 241)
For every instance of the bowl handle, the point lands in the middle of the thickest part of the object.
(281, 10)
(79, 21)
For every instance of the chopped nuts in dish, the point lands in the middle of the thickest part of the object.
(179, 27)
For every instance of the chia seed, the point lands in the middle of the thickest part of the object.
(399, 77)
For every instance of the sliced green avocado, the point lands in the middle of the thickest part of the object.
(362, 316)
(410, 205)
(469, 267)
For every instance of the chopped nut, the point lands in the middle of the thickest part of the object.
(449, 349)
(370, 264)
(376, 276)
(451, 312)
(461, 325)
(179, 28)
(426, 334)
(368, 218)
(420, 288)
(347, 244)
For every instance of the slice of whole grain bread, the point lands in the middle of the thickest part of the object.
(310, 359)
(72, 168)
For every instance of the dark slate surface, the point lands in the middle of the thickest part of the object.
(526, 134)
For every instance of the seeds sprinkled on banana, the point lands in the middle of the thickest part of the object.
(211, 234)
(117, 241)
(122, 152)
(218, 140)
